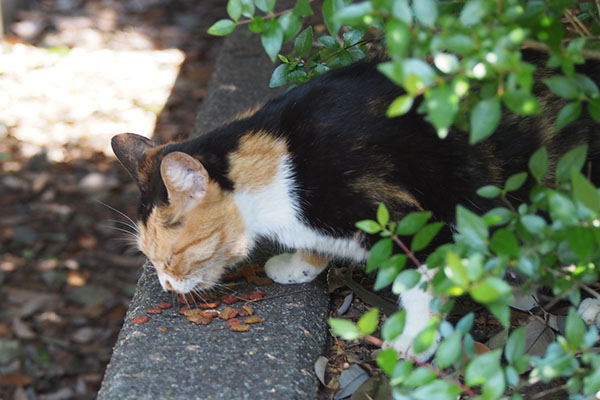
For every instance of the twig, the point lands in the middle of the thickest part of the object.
(542, 394)
(586, 53)
(579, 27)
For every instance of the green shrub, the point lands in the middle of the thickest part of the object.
(473, 68)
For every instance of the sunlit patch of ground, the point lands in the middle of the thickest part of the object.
(58, 96)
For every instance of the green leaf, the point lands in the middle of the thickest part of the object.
(594, 109)
(562, 208)
(426, 11)
(465, 324)
(515, 181)
(367, 323)
(290, 25)
(412, 222)
(473, 12)
(505, 242)
(388, 271)
(481, 367)
(328, 42)
(497, 216)
(420, 377)
(425, 236)
(345, 329)
(400, 106)
(489, 191)
(303, 8)
(574, 329)
(234, 9)
(581, 241)
(538, 163)
(381, 251)
(515, 346)
(568, 114)
(304, 42)
(406, 280)
(489, 290)
(521, 102)
(279, 76)
(401, 11)
(222, 27)
(383, 216)
(425, 339)
(257, 25)
(449, 350)
(471, 227)
(442, 106)
(265, 5)
(401, 372)
(573, 160)
(397, 37)
(248, 8)
(353, 14)
(437, 390)
(533, 223)
(585, 192)
(272, 38)
(329, 9)
(393, 326)
(369, 226)
(386, 360)
(455, 270)
(562, 86)
(485, 117)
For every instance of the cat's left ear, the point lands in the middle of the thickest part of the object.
(184, 176)
(131, 149)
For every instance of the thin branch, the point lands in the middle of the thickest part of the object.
(586, 53)
(581, 29)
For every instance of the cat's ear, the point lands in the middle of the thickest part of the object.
(130, 149)
(184, 176)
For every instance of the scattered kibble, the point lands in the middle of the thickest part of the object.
(229, 299)
(141, 319)
(228, 313)
(248, 309)
(153, 310)
(240, 328)
(163, 305)
(232, 322)
(253, 319)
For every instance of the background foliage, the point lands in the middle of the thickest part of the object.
(464, 59)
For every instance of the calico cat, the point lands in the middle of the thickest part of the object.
(302, 169)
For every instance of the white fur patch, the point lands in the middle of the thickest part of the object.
(290, 268)
(416, 302)
(589, 311)
(274, 212)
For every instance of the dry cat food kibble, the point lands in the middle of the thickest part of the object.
(163, 305)
(229, 299)
(208, 306)
(141, 319)
(153, 310)
(240, 328)
(232, 322)
(228, 313)
(254, 319)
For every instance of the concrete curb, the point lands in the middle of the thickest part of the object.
(171, 358)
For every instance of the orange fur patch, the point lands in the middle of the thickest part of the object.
(316, 260)
(255, 163)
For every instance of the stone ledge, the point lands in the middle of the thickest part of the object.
(171, 358)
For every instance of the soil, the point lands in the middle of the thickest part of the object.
(73, 74)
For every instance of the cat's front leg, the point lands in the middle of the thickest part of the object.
(416, 302)
(299, 267)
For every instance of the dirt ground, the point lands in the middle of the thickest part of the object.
(72, 74)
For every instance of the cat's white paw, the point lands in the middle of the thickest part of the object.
(403, 345)
(589, 311)
(292, 268)
(416, 302)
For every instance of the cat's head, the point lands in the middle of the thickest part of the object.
(190, 228)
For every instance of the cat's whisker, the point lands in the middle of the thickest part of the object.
(117, 211)
(127, 224)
